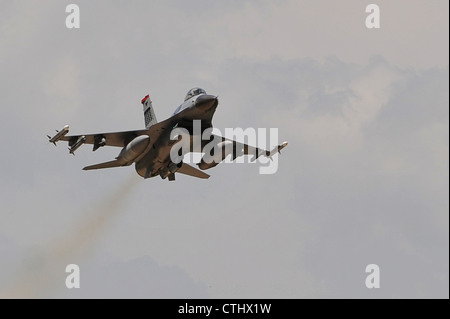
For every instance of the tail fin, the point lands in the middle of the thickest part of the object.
(149, 113)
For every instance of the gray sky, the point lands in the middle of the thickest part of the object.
(365, 178)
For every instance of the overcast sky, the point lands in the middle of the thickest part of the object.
(364, 180)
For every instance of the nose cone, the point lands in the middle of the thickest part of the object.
(205, 102)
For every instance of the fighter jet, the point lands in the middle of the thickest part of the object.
(150, 148)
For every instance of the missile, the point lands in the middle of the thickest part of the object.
(283, 145)
(77, 144)
(259, 152)
(277, 149)
(59, 135)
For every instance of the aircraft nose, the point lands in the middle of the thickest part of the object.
(205, 101)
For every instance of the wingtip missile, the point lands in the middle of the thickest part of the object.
(283, 145)
(50, 140)
(59, 135)
(277, 149)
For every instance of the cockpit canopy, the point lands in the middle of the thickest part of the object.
(194, 92)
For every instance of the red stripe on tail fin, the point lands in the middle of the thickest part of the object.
(145, 98)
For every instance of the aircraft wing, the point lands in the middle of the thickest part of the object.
(240, 149)
(119, 139)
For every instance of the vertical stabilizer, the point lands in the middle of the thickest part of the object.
(149, 113)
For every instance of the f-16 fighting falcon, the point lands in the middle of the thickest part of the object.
(150, 148)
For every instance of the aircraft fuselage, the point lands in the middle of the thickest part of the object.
(155, 160)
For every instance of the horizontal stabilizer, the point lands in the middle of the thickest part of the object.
(192, 171)
(115, 163)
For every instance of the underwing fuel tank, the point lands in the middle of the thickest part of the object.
(133, 149)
